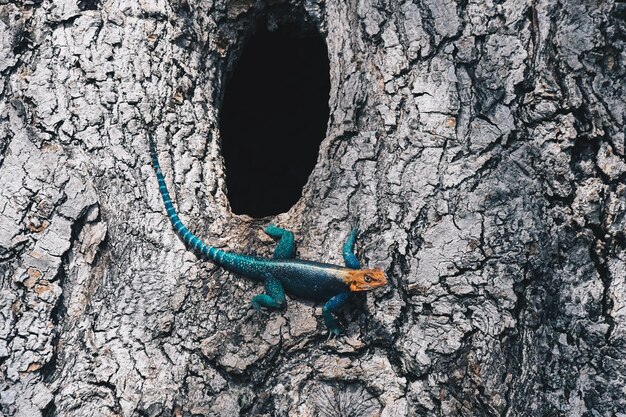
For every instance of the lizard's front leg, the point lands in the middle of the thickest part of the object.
(274, 297)
(332, 306)
(348, 251)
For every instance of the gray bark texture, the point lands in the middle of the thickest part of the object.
(478, 144)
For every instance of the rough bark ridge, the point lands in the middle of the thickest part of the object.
(479, 145)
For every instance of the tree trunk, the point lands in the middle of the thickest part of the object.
(478, 145)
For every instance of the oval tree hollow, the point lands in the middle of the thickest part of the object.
(274, 117)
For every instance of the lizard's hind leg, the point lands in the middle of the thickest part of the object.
(274, 297)
(286, 248)
(348, 251)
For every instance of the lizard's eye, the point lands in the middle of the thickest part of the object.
(367, 278)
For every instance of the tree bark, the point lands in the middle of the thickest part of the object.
(478, 145)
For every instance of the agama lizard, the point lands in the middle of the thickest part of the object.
(309, 280)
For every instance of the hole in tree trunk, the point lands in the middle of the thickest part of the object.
(274, 117)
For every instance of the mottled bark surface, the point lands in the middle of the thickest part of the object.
(478, 144)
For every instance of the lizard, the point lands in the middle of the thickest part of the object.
(309, 280)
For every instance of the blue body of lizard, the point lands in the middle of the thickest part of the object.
(310, 280)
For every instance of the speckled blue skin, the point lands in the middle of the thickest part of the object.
(305, 279)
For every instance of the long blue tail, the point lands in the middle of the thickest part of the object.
(211, 253)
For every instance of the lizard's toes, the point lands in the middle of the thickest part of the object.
(271, 229)
(334, 332)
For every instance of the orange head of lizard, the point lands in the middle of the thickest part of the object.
(365, 279)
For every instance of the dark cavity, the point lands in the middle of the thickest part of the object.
(273, 118)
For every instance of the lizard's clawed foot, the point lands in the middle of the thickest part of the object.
(333, 332)
(286, 248)
(263, 300)
(256, 306)
(272, 230)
